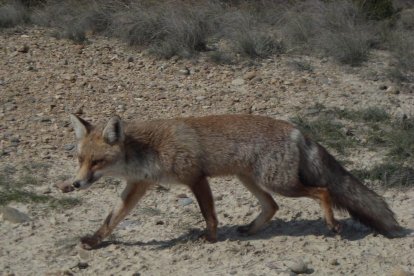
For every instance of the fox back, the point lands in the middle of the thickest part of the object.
(182, 149)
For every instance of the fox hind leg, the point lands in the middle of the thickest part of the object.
(268, 205)
(202, 192)
(322, 195)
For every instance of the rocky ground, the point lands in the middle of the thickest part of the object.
(43, 79)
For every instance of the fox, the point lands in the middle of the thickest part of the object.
(267, 155)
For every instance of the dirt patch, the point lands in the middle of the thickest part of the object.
(50, 78)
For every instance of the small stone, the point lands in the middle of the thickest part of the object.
(182, 196)
(250, 75)
(121, 108)
(65, 186)
(383, 87)
(53, 221)
(185, 71)
(159, 222)
(23, 49)
(299, 267)
(347, 131)
(200, 98)
(59, 86)
(45, 190)
(130, 59)
(237, 82)
(45, 119)
(10, 107)
(14, 215)
(400, 272)
(82, 265)
(69, 77)
(69, 147)
(84, 254)
(392, 90)
(273, 265)
(185, 201)
(334, 262)
(79, 110)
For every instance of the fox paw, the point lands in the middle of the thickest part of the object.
(336, 228)
(208, 238)
(245, 230)
(90, 242)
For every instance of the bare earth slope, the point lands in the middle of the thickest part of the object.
(42, 79)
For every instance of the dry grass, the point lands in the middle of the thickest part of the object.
(395, 137)
(15, 186)
(12, 14)
(254, 29)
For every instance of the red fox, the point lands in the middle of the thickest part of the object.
(267, 155)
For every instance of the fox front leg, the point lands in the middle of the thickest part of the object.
(133, 192)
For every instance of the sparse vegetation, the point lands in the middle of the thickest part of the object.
(343, 30)
(327, 131)
(390, 174)
(301, 65)
(369, 115)
(220, 57)
(14, 187)
(395, 136)
(12, 14)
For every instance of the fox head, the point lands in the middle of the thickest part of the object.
(99, 149)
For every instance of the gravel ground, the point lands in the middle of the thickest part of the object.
(42, 79)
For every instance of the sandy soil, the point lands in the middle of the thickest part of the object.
(43, 79)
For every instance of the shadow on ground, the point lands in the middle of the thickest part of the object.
(294, 228)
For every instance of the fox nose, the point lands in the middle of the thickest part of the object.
(76, 184)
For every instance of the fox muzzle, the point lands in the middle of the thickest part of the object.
(85, 183)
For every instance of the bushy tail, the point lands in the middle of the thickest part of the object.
(320, 169)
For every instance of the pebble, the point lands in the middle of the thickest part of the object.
(400, 272)
(393, 90)
(299, 267)
(69, 77)
(69, 147)
(82, 265)
(23, 49)
(79, 110)
(65, 186)
(250, 75)
(237, 82)
(84, 254)
(185, 201)
(185, 72)
(334, 262)
(13, 215)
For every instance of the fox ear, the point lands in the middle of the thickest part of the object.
(81, 126)
(114, 131)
